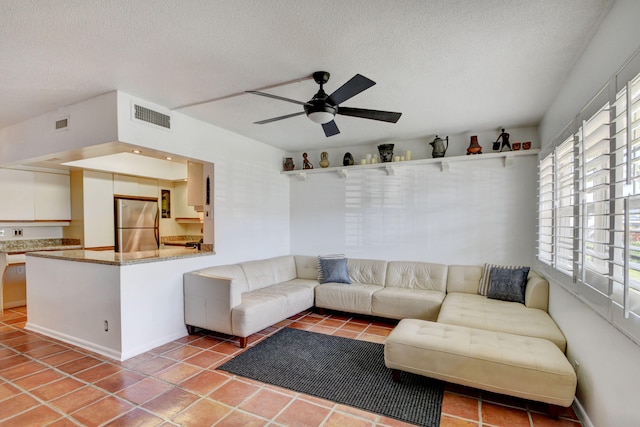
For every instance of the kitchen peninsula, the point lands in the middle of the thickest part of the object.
(115, 304)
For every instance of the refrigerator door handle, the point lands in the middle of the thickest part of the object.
(157, 228)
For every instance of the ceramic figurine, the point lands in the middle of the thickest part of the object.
(386, 152)
(347, 160)
(324, 159)
(306, 164)
(288, 164)
(474, 147)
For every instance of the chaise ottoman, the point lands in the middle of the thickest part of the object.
(520, 366)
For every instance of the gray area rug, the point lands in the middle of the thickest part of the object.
(343, 370)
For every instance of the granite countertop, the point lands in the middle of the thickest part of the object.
(179, 240)
(128, 258)
(33, 245)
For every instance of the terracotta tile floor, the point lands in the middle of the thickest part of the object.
(44, 382)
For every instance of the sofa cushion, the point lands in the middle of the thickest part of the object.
(306, 267)
(416, 275)
(477, 311)
(367, 271)
(464, 278)
(401, 303)
(354, 298)
(334, 270)
(269, 305)
(508, 284)
(266, 272)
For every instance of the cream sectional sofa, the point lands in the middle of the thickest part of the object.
(242, 299)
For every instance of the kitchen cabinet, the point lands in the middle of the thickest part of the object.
(17, 192)
(34, 196)
(52, 197)
(181, 210)
(195, 179)
(92, 209)
(126, 185)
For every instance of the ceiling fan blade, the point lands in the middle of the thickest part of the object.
(330, 128)
(357, 84)
(383, 116)
(268, 95)
(275, 119)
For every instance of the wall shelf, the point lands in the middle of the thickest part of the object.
(188, 220)
(390, 168)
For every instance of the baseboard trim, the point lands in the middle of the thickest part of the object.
(87, 345)
(581, 413)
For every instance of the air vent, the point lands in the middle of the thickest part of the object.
(62, 124)
(147, 115)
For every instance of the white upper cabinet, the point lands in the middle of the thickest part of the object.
(52, 201)
(17, 190)
(195, 174)
(34, 196)
(125, 185)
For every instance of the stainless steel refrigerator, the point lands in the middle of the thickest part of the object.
(136, 224)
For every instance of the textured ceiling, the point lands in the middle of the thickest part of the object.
(449, 66)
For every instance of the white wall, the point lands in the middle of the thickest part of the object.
(477, 211)
(608, 373)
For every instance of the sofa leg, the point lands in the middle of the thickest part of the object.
(320, 310)
(243, 342)
(554, 411)
(395, 374)
(191, 329)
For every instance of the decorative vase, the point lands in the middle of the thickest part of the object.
(347, 160)
(439, 147)
(386, 152)
(474, 147)
(288, 164)
(324, 159)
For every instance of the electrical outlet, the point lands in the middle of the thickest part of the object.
(21, 269)
(1, 232)
(17, 232)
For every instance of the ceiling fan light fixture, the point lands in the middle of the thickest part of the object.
(320, 117)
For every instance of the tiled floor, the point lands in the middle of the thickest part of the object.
(44, 382)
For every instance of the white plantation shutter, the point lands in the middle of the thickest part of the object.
(546, 196)
(595, 170)
(626, 278)
(565, 206)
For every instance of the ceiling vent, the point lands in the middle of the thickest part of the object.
(63, 123)
(148, 115)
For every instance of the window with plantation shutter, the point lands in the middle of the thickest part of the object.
(589, 204)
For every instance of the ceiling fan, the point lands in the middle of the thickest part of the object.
(322, 108)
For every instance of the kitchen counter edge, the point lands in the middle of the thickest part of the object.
(123, 259)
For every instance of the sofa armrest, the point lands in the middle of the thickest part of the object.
(208, 301)
(537, 292)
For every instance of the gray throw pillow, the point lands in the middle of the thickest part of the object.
(334, 270)
(508, 284)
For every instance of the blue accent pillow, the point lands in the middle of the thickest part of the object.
(508, 284)
(334, 270)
